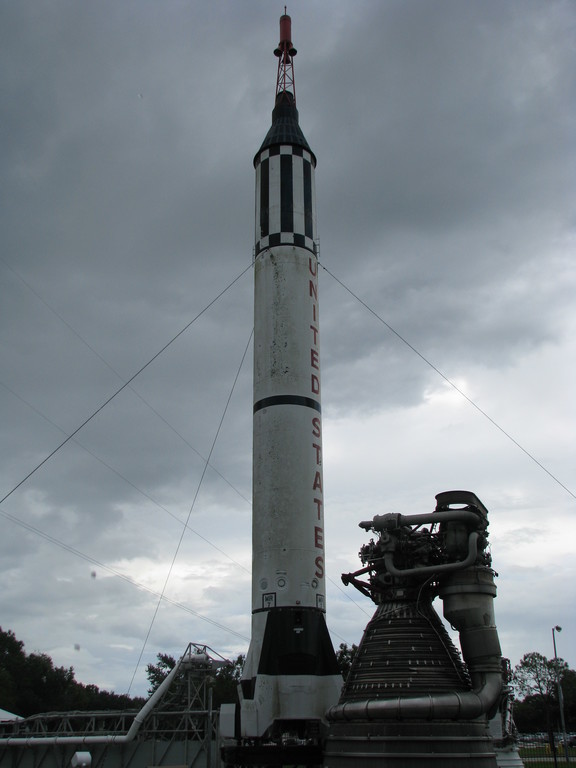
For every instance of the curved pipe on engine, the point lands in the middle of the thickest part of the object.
(465, 705)
(467, 590)
(392, 520)
(468, 597)
(423, 570)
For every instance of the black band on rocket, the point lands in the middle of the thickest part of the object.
(307, 402)
(285, 197)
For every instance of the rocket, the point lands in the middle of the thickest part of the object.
(291, 676)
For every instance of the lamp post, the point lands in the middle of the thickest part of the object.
(560, 695)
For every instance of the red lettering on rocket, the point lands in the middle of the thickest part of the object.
(317, 482)
(318, 449)
(319, 505)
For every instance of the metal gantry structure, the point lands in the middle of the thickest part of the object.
(285, 83)
(176, 727)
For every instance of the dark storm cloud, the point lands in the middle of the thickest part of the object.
(459, 182)
(452, 111)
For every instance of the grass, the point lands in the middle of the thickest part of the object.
(536, 763)
(540, 756)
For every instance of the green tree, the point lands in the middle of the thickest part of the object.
(535, 675)
(45, 687)
(226, 682)
(157, 672)
(345, 656)
(534, 678)
(30, 683)
(568, 682)
(530, 715)
(12, 662)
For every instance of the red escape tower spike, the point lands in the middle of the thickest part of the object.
(285, 53)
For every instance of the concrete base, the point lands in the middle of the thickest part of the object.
(509, 758)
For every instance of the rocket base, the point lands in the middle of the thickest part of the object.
(291, 675)
(295, 642)
(291, 680)
(270, 754)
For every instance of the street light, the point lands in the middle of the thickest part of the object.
(560, 695)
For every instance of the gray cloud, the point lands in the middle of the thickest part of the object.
(445, 156)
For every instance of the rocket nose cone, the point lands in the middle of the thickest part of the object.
(285, 98)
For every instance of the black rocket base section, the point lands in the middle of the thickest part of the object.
(296, 642)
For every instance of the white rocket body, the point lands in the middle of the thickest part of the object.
(288, 529)
(290, 672)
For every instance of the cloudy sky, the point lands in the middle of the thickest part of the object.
(444, 133)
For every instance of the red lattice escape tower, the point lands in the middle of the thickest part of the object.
(285, 52)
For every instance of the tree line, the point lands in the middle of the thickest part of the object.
(535, 682)
(31, 683)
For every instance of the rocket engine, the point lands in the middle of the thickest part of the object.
(409, 698)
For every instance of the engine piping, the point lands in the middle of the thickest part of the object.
(409, 566)
(466, 705)
(441, 568)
